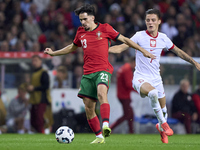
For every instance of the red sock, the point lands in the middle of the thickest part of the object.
(105, 112)
(95, 125)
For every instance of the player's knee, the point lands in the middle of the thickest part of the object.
(153, 95)
(102, 97)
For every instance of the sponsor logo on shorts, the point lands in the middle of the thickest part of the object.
(141, 80)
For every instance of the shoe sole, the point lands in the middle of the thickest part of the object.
(100, 142)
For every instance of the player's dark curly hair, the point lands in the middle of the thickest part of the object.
(87, 8)
(153, 11)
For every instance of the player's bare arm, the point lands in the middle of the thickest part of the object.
(185, 57)
(68, 49)
(118, 48)
(132, 44)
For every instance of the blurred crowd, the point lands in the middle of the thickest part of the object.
(32, 25)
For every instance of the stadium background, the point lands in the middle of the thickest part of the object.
(28, 26)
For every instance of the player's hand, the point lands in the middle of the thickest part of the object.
(30, 88)
(48, 51)
(149, 55)
(197, 66)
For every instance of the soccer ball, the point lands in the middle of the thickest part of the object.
(64, 134)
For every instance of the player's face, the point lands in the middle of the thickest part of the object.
(86, 21)
(152, 22)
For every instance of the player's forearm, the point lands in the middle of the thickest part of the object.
(118, 48)
(183, 55)
(132, 44)
(63, 51)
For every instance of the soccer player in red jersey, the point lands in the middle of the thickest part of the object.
(94, 38)
(124, 88)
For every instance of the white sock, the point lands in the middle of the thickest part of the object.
(160, 128)
(164, 109)
(153, 97)
(105, 124)
(99, 136)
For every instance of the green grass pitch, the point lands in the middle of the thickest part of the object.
(114, 142)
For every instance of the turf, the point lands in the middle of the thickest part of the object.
(114, 142)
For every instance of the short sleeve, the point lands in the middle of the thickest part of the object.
(112, 33)
(169, 43)
(76, 40)
(135, 37)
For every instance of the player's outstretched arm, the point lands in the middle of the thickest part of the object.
(132, 44)
(68, 49)
(185, 57)
(118, 48)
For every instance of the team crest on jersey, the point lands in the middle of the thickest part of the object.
(152, 42)
(99, 35)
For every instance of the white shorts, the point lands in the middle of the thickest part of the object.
(137, 82)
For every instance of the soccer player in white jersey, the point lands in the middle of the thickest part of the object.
(147, 80)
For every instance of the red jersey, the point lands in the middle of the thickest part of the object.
(124, 81)
(95, 46)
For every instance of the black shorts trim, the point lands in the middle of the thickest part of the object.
(85, 96)
(104, 84)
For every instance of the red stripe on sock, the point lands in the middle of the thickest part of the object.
(105, 112)
(95, 125)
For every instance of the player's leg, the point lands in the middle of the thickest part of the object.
(102, 84)
(162, 99)
(88, 93)
(104, 108)
(162, 102)
(93, 120)
(148, 90)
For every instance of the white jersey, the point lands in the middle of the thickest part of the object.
(146, 67)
